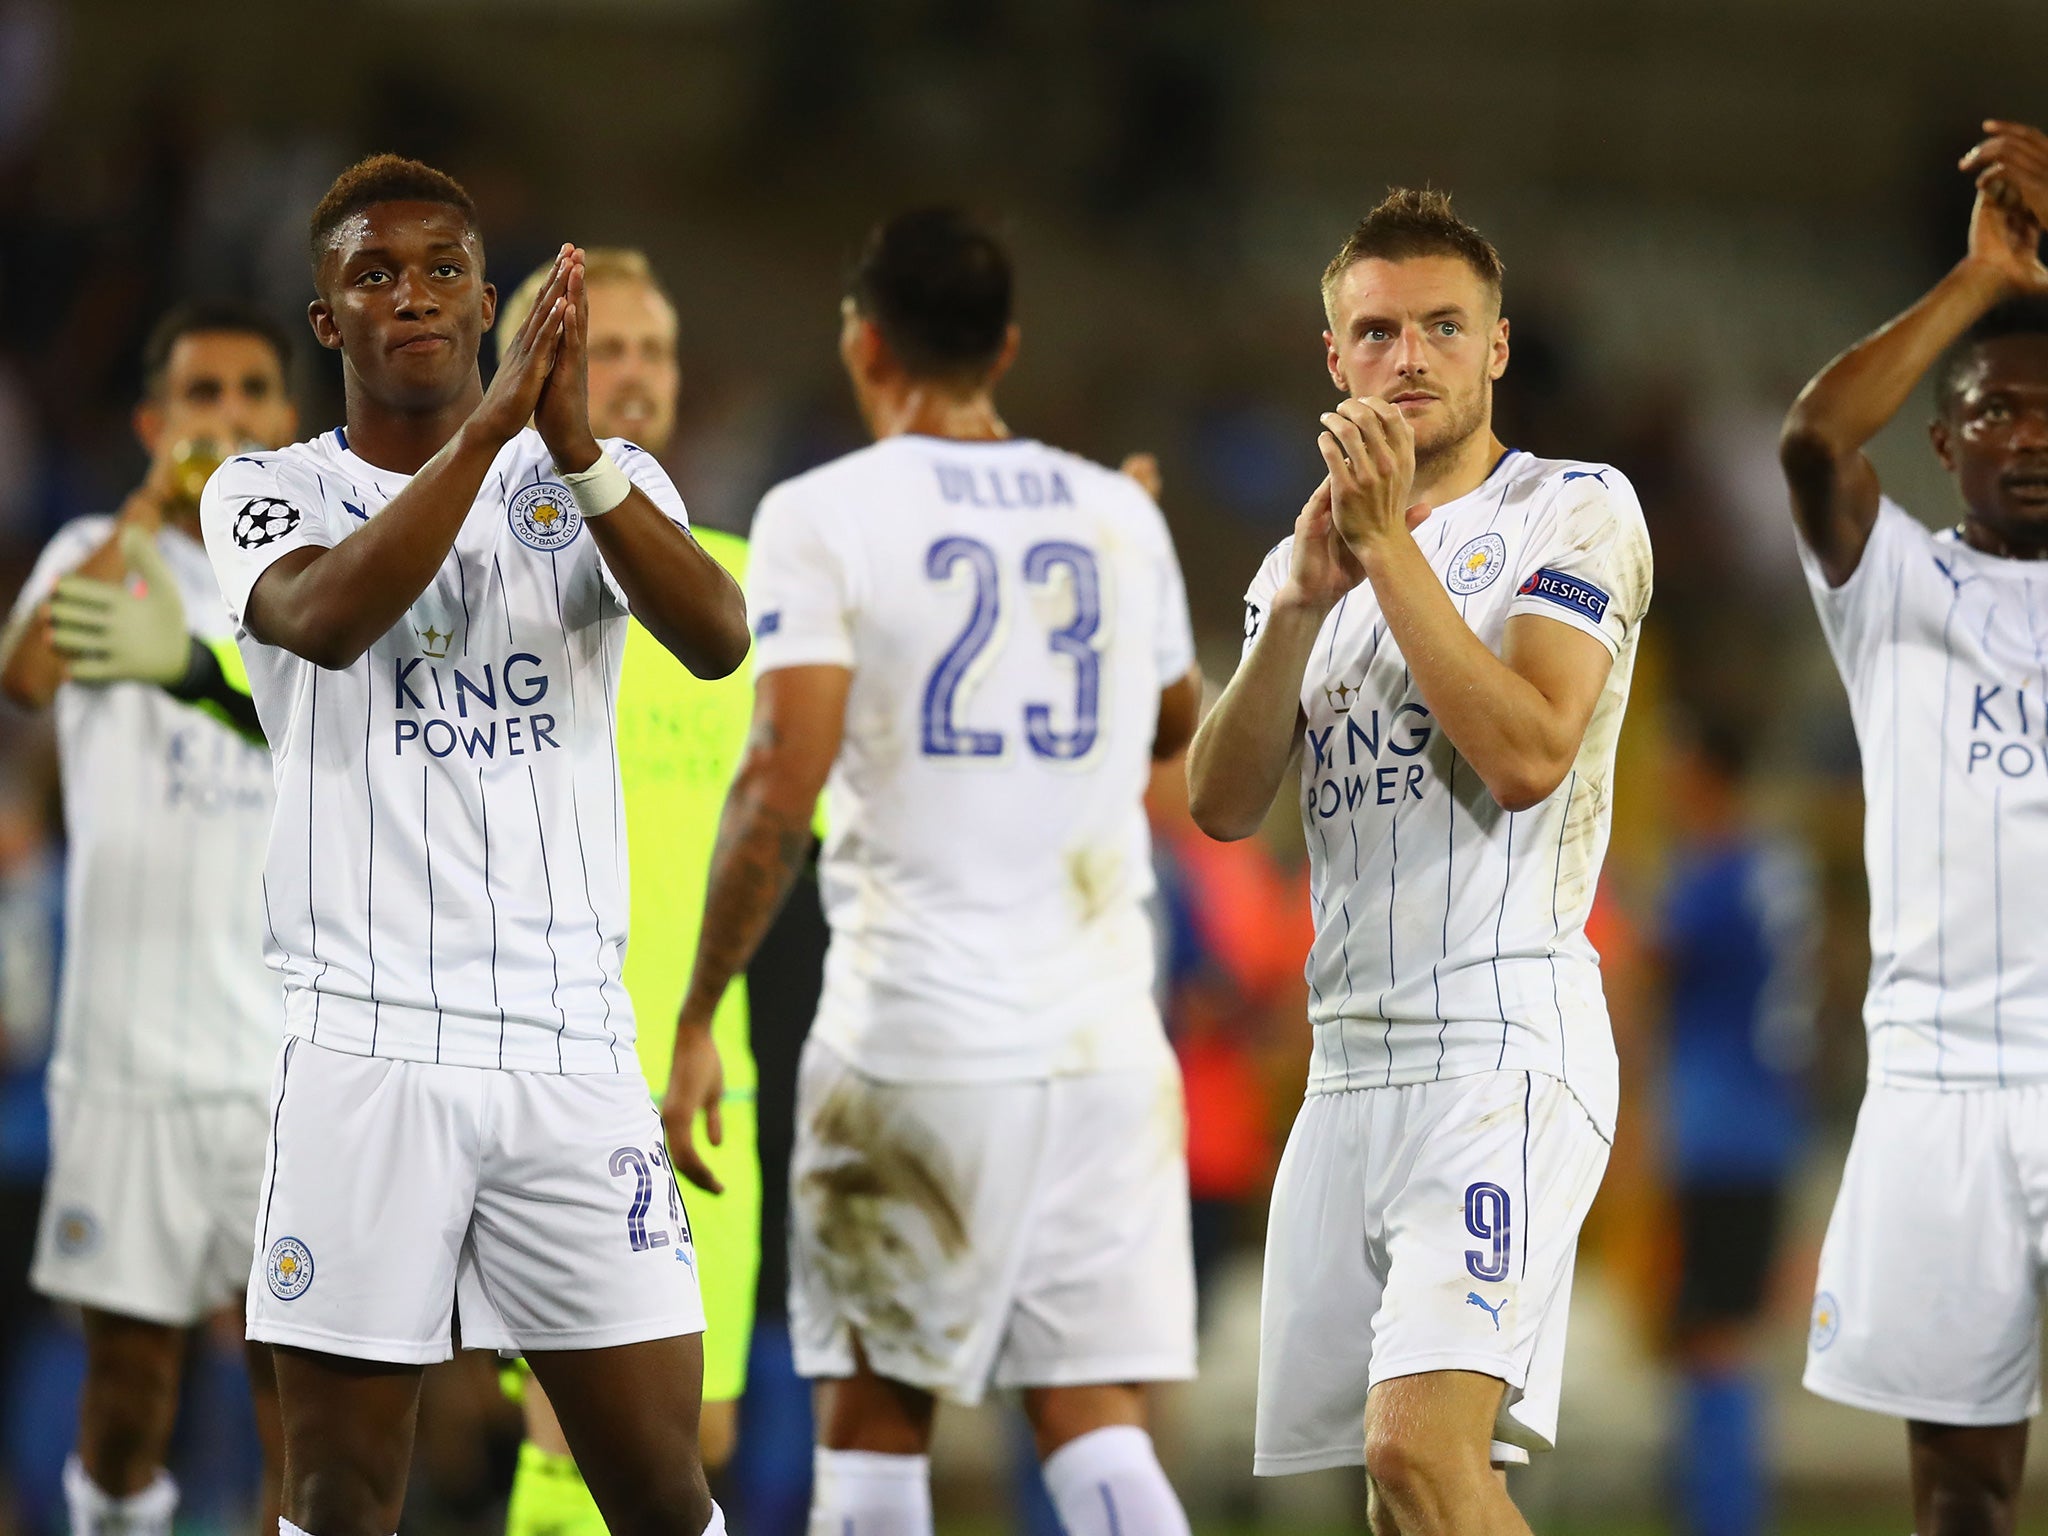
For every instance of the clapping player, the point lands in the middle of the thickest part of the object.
(432, 602)
(169, 1020)
(1440, 656)
(1928, 1300)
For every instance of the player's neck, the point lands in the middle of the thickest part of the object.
(401, 441)
(2007, 544)
(1460, 471)
(923, 411)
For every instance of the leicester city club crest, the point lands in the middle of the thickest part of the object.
(1474, 567)
(289, 1268)
(545, 515)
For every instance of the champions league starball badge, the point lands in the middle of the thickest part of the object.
(545, 516)
(264, 520)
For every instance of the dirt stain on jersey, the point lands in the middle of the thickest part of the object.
(1093, 880)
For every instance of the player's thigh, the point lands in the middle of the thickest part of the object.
(630, 1416)
(578, 1239)
(908, 1202)
(726, 1230)
(1321, 1290)
(1481, 1241)
(1925, 1306)
(126, 1222)
(367, 1191)
(1966, 1478)
(1105, 1289)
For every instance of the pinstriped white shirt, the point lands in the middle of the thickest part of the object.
(446, 878)
(1944, 650)
(1450, 933)
(166, 812)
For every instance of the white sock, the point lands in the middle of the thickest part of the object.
(865, 1493)
(95, 1512)
(286, 1528)
(1108, 1482)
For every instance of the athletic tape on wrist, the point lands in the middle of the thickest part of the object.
(599, 488)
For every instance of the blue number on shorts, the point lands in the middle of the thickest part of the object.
(1487, 1218)
(942, 738)
(675, 1196)
(631, 1159)
(1040, 561)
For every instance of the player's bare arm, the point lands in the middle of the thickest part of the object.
(1834, 487)
(685, 598)
(1243, 749)
(1518, 718)
(331, 605)
(763, 838)
(1180, 708)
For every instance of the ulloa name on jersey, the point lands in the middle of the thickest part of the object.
(999, 488)
(481, 700)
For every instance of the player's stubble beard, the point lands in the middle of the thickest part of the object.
(1468, 418)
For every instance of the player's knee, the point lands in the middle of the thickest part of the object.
(328, 1501)
(1418, 1477)
(677, 1504)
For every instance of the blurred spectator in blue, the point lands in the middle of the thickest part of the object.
(1737, 948)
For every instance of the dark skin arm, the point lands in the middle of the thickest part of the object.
(1180, 710)
(1834, 487)
(685, 598)
(764, 837)
(329, 606)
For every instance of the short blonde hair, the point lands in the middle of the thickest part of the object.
(601, 264)
(1411, 222)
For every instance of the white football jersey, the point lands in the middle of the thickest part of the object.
(166, 812)
(447, 869)
(1450, 933)
(1942, 648)
(1010, 614)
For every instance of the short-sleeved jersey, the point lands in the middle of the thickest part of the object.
(1944, 650)
(1450, 932)
(447, 869)
(1009, 613)
(680, 742)
(166, 813)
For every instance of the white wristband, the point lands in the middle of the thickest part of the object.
(599, 488)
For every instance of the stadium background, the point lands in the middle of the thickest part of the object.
(1697, 204)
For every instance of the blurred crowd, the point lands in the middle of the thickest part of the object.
(1737, 819)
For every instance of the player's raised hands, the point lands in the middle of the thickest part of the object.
(696, 1084)
(2012, 165)
(2005, 240)
(523, 370)
(1369, 449)
(563, 413)
(1321, 567)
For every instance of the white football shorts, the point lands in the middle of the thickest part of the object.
(1020, 1234)
(1927, 1305)
(398, 1195)
(150, 1204)
(1431, 1227)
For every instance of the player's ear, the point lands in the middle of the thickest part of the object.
(148, 422)
(490, 305)
(1944, 443)
(1005, 357)
(325, 331)
(1334, 363)
(1499, 363)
